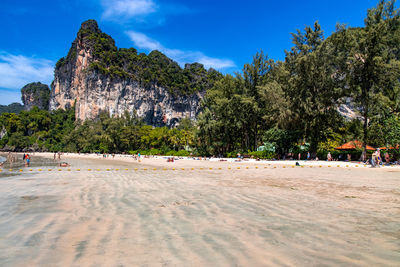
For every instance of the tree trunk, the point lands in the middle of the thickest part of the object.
(365, 129)
(255, 137)
(247, 141)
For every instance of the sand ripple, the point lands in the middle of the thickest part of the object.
(200, 218)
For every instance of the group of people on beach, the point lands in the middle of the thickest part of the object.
(12, 157)
(341, 157)
(57, 155)
(376, 160)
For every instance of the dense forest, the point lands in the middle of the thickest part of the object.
(11, 108)
(296, 101)
(282, 106)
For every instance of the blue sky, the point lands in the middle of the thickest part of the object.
(223, 34)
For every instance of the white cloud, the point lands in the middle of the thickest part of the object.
(215, 63)
(116, 9)
(18, 70)
(142, 41)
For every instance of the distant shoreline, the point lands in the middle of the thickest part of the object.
(199, 161)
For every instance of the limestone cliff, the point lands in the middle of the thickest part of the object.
(35, 94)
(96, 76)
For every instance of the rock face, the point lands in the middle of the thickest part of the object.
(77, 82)
(3, 133)
(35, 94)
(348, 110)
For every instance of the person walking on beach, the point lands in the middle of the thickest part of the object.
(375, 158)
(28, 160)
(378, 157)
(329, 156)
(308, 155)
(299, 156)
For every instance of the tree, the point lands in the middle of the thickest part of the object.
(373, 63)
(224, 124)
(277, 108)
(254, 76)
(392, 125)
(312, 85)
(11, 108)
(282, 139)
(385, 132)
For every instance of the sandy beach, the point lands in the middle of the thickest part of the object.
(118, 212)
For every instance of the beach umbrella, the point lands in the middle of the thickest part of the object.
(390, 148)
(352, 145)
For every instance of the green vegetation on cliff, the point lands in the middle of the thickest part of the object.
(11, 108)
(36, 94)
(152, 69)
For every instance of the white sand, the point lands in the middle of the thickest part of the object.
(247, 217)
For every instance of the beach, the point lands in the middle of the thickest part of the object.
(119, 212)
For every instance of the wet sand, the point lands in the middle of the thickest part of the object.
(227, 217)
